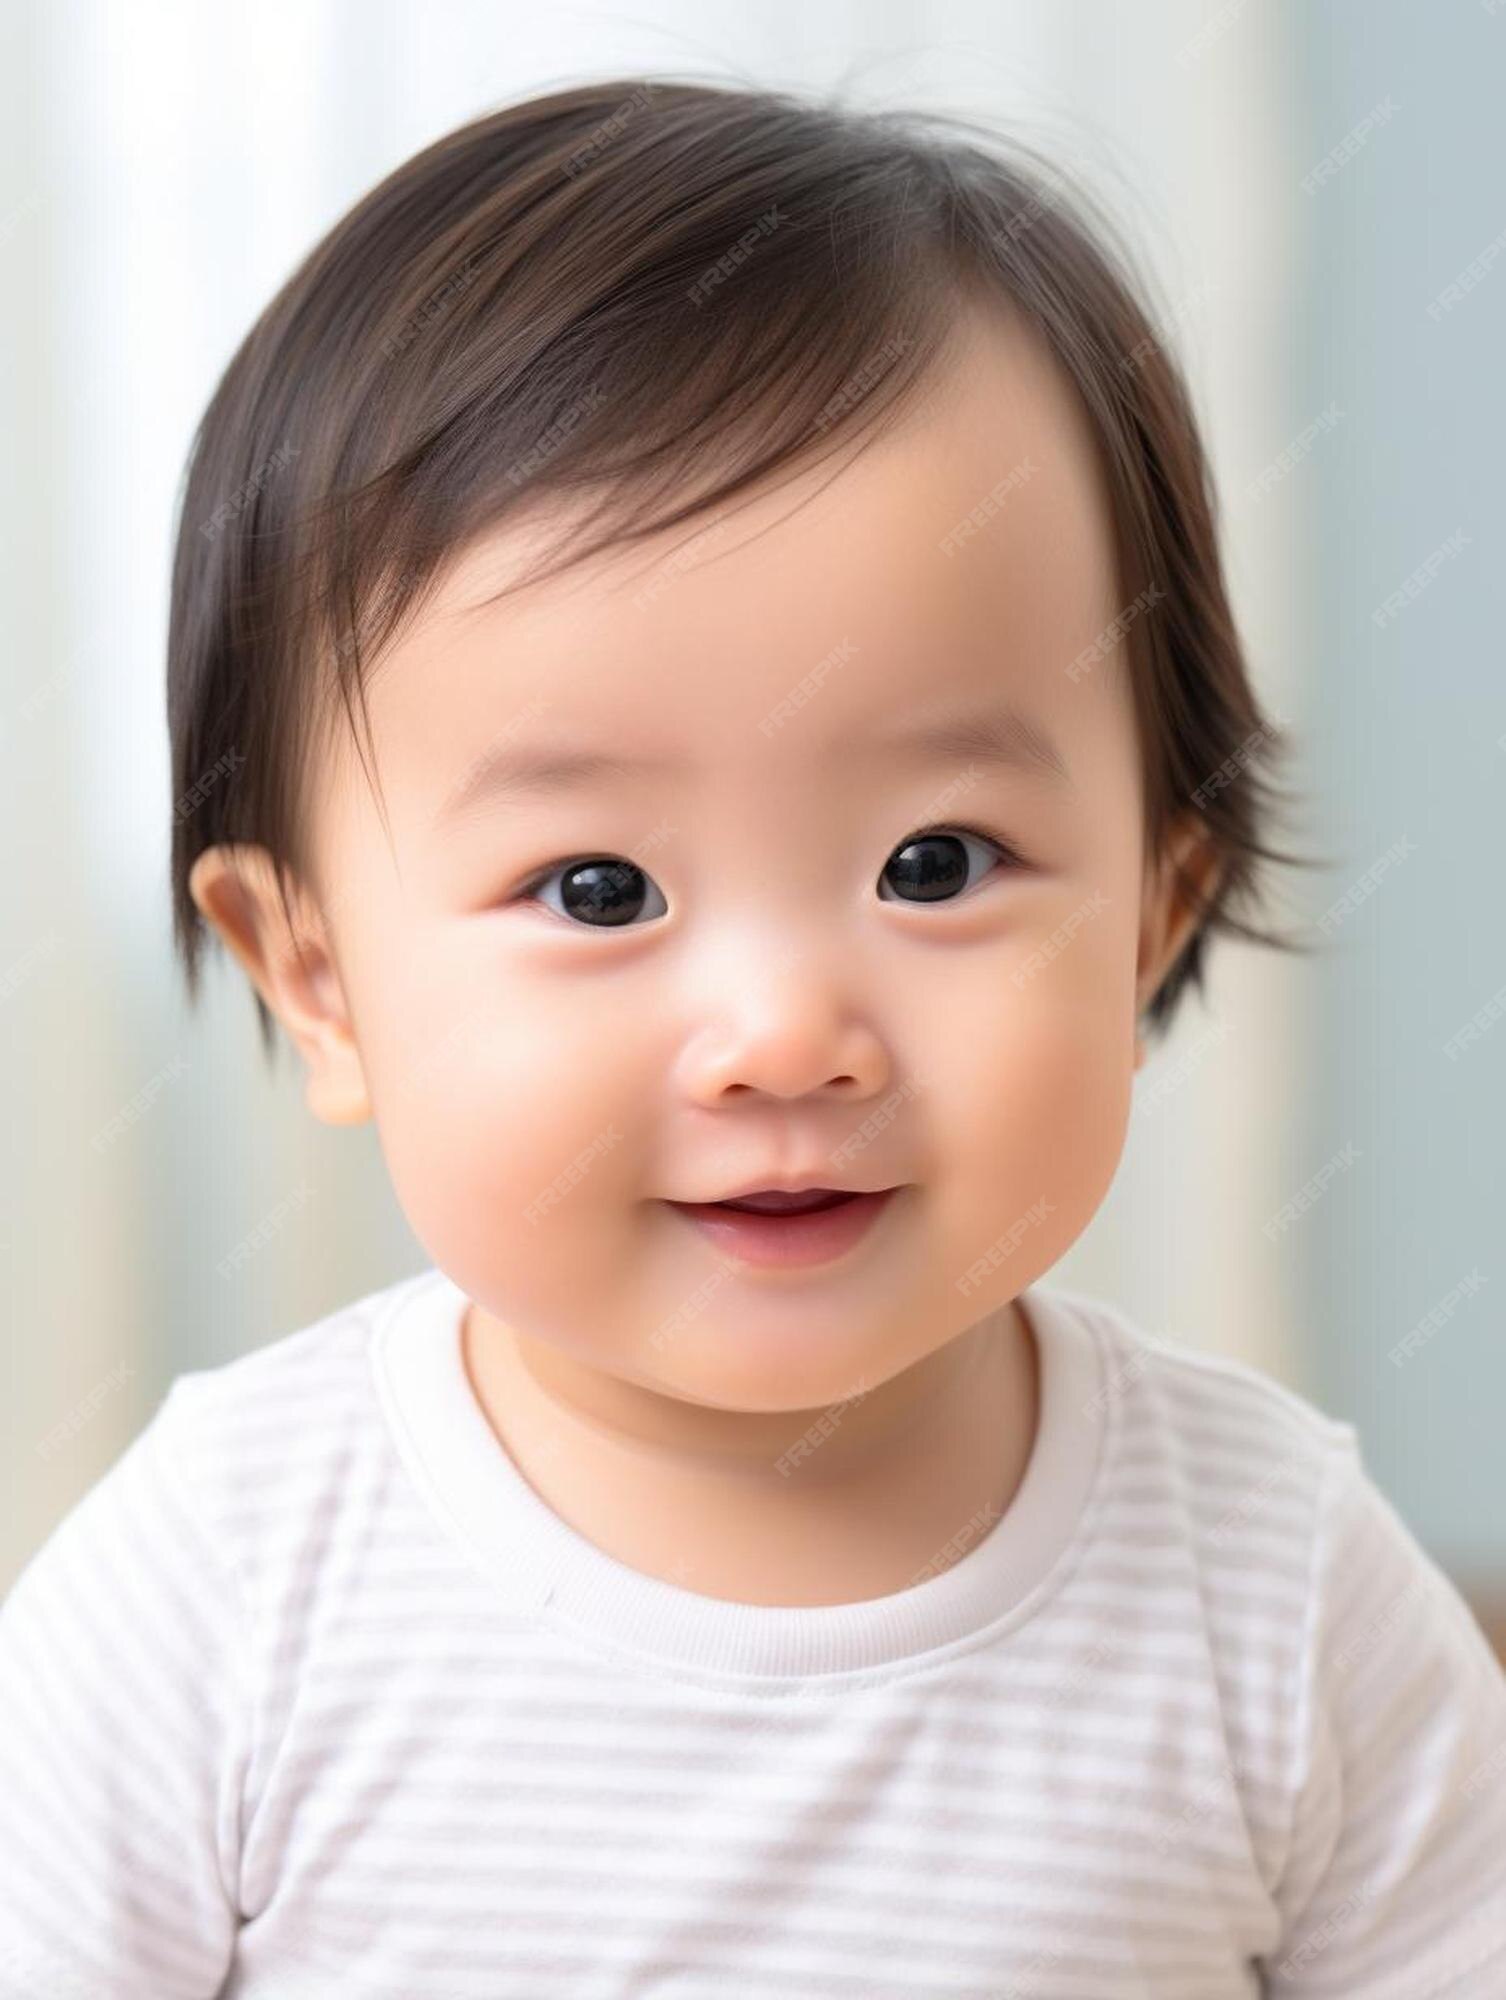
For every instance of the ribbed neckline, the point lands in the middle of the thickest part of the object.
(544, 1568)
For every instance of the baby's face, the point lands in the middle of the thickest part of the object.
(773, 992)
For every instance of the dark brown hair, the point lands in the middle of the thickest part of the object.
(650, 295)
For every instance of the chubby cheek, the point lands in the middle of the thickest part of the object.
(510, 1136)
(1039, 1094)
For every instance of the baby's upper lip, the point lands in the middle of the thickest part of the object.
(799, 1184)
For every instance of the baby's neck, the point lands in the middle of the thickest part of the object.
(908, 1482)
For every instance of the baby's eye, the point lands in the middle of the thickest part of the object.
(604, 892)
(933, 863)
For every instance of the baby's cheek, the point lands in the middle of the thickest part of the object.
(505, 1138)
(1041, 1109)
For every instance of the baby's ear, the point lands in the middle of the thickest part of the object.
(1169, 914)
(236, 890)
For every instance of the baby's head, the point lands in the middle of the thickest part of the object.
(699, 659)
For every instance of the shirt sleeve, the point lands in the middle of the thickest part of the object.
(1395, 1882)
(122, 1746)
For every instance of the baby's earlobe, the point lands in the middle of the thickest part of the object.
(337, 1095)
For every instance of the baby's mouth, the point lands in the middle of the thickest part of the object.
(780, 1228)
(774, 1201)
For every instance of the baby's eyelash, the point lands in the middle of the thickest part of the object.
(1005, 847)
(1011, 855)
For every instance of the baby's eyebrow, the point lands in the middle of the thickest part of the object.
(1001, 735)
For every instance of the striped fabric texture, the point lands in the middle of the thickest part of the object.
(312, 1695)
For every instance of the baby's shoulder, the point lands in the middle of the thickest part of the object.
(285, 1439)
(1182, 1393)
(312, 1372)
(1238, 1459)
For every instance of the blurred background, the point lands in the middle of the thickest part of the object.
(1315, 1172)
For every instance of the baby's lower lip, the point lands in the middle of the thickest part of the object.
(815, 1237)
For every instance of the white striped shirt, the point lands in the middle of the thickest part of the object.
(312, 1695)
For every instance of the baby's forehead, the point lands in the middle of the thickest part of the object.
(957, 560)
(988, 479)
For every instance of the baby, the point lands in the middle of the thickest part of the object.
(711, 608)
